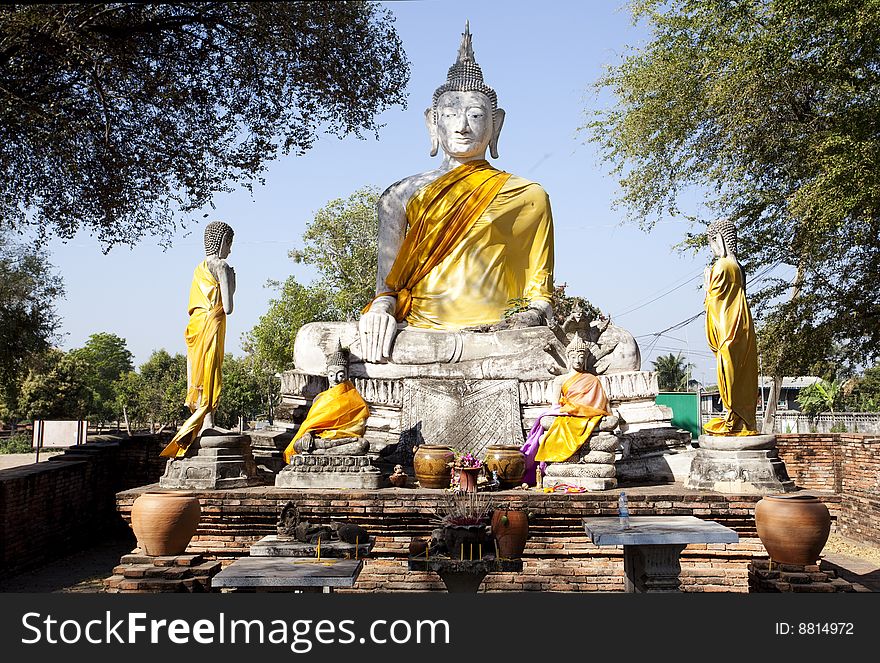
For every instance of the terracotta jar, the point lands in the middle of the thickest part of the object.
(793, 528)
(508, 461)
(467, 478)
(510, 529)
(165, 521)
(433, 465)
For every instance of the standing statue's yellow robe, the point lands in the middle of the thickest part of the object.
(478, 237)
(205, 336)
(338, 412)
(583, 402)
(730, 332)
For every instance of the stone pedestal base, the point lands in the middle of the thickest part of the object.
(139, 574)
(219, 462)
(748, 465)
(592, 476)
(326, 471)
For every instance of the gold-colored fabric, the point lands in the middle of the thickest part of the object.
(205, 337)
(731, 335)
(583, 402)
(336, 413)
(477, 238)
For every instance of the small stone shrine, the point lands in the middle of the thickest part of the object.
(733, 456)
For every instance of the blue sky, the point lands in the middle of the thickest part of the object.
(542, 59)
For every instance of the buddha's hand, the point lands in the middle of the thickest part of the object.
(377, 328)
(531, 317)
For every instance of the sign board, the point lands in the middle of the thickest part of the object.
(59, 434)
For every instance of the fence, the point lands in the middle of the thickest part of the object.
(788, 421)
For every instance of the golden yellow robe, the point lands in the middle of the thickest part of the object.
(583, 402)
(205, 337)
(338, 412)
(477, 238)
(730, 332)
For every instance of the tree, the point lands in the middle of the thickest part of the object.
(672, 372)
(820, 397)
(56, 388)
(164, 389)
(341, 243)
(862, 393)
(28, 321)
(771, 109)
(124, 118)
(106, 359)
(244, 393)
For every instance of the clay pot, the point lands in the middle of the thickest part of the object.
(509, 462)
(432, 463)
(793, 528)
(165, 521)
(510, 529)
(458, 538)
(467, 478)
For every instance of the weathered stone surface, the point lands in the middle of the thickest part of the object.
(592, 484)
(737, 443)
(571, 470)
(311, 471)
(758, 472)
(219, 461)
(604, 442)
(467, 415)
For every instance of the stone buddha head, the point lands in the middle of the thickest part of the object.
(464, 118)
(218, 239)
(722, 238)
(576, 354)
(337, 365)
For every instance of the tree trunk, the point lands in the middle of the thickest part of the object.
(770, 411)
(125, 416)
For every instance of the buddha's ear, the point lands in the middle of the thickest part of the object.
(431, 123)
(497, 123)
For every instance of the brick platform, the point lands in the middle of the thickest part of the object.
(558, 554)
(767, 576)
(143, 574)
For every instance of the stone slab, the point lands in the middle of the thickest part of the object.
(737, 443)
(288, 573)
(285, 546)
(752, 472)
(590, 483)
(329, 479)
(657, 530)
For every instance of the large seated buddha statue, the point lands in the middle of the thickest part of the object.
(458, 245)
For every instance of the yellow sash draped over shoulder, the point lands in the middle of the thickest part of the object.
(478, 237)
(336, 413)
(583, 403)
(205, 336)
(730, 332)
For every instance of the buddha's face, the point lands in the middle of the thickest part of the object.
(336, 375)
(717, 246)
(464, 124)
(225, 246)
(576, 359)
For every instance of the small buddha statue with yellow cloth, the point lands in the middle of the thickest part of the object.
(210, 301)
(730, 332)
(337, 418)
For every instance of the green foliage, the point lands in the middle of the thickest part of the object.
(563, 304)
(106, 358)
(823, 396)
(20, 443)
(155, 395)
(340, 243)
(247, 390)
(28, 321)
(124, 118)
(56, 388)
(769, 109)
(514, 306)
(862, 393)
(672, 372)
(838, 428)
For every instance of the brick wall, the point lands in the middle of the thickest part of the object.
(61, 505)
(558, 555)
(844, 463)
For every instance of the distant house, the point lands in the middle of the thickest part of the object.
(711, 401)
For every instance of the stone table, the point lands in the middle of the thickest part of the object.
(652, 546)
(274, 545)
(464, 575)
(285, 574)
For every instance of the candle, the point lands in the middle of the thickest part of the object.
(472, 552)
(462, 552)
(481, 551)
(497, 556)
(356, 539)
(319, 548)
